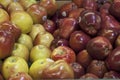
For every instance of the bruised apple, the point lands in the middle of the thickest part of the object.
(20, 76)
(38, 66)
(37, 28)
(22, 20)
(44, 39)
(12, 65)
(58, 70)
(64, 53)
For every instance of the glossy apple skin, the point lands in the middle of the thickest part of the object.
(90, 22)
(66, 27)
(66, 8)
(99, 47)
(58, 70)
(20, 76)
(78, 3)
(58, 42)
(89, 4)
(49, 26)
(38, 13)
(78, 70)
(65, 53)
(83, 58)
(113, 59)
(89, 76)
(97, 67)
(44, 39)
(78, 40)
(13, 29)
(111, 75)
(49, 5)
(115, 9)
(110, 34)
(6, 44)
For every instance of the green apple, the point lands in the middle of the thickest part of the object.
(37, 28)
(27, 3)
(3, 15)
(39, 52)
(38, 66)
(26, 40)
(12, 65)
(23, 20)
(44, 39)
(5, 3)
(13, 6)
(21, 51)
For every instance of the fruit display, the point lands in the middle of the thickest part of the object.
(59, 39)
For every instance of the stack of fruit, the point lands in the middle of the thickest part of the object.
(78, 40)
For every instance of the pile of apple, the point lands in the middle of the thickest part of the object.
(78, 40)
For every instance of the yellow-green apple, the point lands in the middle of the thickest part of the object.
(12, 65)
(49, 5)
(23, 20)
(21, 51)
(65, 53)
(39, 52)
(13, 6)
(20, 76)
(26, 40)
(38, 66)
(8, 27)
(5, 3)
(37, 28)
(6, 44)
(27, 3)
(38, 13)
(58, 70)
(44, 39)
(4, 16)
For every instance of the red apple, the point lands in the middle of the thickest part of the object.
(38, 13)
(65, 53)
(1, 77)
(49, 5)
(58, 70)
(78, 3)
(89, 76)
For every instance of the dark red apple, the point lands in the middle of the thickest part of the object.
(49, 26)
(99, 47)
(89, 4)
(66, 27)
(66, 8)
(78, 40)
(113, 60)
(89, 76)
(58, 42)
(64, 53)
(38, 13)
(90, 22)
(78, 70)
(83, 58)
(111, 75)
(1, 77)
(97, 68)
